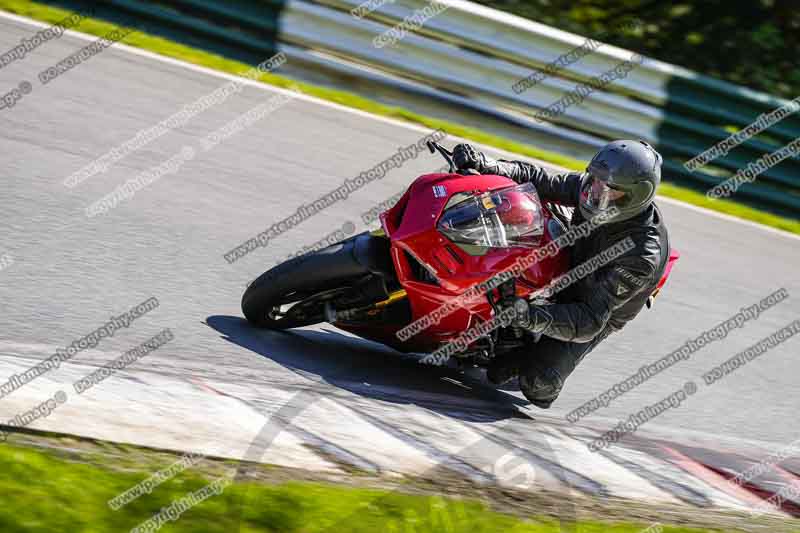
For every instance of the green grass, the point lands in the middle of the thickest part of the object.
(729, 207)
(171, 49)
(46, 490)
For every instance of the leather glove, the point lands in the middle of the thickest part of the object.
(529, 317)
(466, 157)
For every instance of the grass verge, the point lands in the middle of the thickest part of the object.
(66, 486)
(49, 14)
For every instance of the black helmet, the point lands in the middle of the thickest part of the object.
(623, 175)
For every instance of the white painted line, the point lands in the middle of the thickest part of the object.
(730, 218)
(370, 116)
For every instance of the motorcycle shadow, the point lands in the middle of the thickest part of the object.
(372, 370)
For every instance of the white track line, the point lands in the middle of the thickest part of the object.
(387, 120)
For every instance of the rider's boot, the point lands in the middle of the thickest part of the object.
(503, 368)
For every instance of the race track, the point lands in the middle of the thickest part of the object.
(211, 387)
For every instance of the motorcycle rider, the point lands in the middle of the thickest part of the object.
(623, 175)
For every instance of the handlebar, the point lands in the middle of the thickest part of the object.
(448, 156)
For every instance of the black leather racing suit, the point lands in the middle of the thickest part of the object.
(601, 303)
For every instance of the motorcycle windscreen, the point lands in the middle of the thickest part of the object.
(498, 219)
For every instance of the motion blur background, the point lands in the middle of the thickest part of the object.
(316, 405)
(712, 67)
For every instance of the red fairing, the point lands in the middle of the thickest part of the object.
(412, 227)
(674, 255)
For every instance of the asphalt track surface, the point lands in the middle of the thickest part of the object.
(70, 272)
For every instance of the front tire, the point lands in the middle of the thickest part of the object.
(308, 282)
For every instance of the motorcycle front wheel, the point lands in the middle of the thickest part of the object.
(294, 294)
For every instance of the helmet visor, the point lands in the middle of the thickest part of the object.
(597, 196)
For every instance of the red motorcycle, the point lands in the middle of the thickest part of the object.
(447, 234)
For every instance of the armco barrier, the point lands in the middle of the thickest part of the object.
(470, 56)
(245, 30)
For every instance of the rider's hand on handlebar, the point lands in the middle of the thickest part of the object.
(465, 157)
(527, 316)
